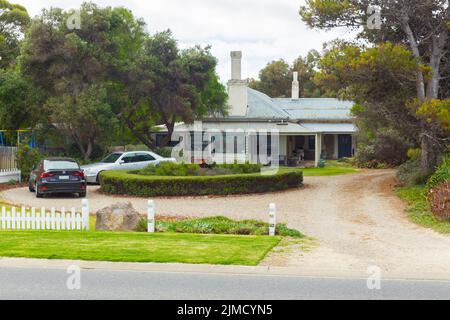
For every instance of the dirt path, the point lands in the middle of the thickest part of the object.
(356, 219)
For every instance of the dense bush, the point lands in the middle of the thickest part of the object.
(164, 152)
(183, 170)
(27, 157)
(442, 173)
(218, 225)
(385, 149)
(411, 173)
(120, 182)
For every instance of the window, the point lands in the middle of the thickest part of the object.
(112, 158)
(129, 158)
(312, 142)
(143, 157)
(61, 165)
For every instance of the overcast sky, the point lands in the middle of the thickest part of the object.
(264, 30)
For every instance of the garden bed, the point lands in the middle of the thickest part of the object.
(135, 184)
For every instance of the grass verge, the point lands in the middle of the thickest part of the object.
(137, 247)
(322, 172)
(418, 209)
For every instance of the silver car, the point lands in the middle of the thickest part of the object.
(134, 160)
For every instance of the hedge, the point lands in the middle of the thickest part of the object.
(127, 183)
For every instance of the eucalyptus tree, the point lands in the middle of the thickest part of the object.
(423, 28)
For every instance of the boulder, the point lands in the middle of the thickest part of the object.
(118, 217)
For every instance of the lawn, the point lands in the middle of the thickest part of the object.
(137, 247)
(327, 171)
(419, 211)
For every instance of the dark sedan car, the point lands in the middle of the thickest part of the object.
(57, 175)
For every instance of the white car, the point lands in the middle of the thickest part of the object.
(134, 160)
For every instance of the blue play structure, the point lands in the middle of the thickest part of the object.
(31, 138)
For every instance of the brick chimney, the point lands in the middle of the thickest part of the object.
(237, 88)
(295, 87)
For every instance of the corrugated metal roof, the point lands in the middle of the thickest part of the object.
(331, 127)
(262, 106)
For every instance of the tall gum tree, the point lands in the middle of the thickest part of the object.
(422, 25)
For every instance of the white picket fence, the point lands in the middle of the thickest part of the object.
(32, 219)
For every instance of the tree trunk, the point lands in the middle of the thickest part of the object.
(430, 154)
(168, 138)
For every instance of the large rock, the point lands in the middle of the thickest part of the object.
(118, 217)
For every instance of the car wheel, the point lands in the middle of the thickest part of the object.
(38, 194)
(82, 194)
(98, 177)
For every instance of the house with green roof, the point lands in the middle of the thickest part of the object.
(291, 131)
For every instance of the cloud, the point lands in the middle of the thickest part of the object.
(263, 29)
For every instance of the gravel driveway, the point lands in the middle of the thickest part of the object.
(356, 219)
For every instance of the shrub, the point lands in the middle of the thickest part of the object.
(129, 183)
(183, 170)
(218, 225)
(386, 149)
(410, 173)
(27, 157)
(170, 169)
(442, 173)
(164, 152)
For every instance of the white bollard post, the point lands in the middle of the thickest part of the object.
(85, 213)
(151, 216)
(272, 219)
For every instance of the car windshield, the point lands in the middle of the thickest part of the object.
(113, 157)
(61, 165)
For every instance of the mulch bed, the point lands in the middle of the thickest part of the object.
(9, 186)
(440, 200)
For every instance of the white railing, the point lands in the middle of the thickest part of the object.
(32, 219)
(7, 175)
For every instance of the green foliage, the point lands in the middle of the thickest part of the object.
(76, 69)
(18, 101)
(183, 169)
(411, 174)
(403, 62)
(120, 182)
(385, 148)
(27, 157)
(414, 153)
(219, 225)
(164, 152)
(86, 118)
(13, 21)
(168, 85)
(275, 79)
(442, 173)
(436, 111)
(171, 169)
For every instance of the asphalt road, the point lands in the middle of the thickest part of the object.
(32, 283)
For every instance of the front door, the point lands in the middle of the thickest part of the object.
(345, 146)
